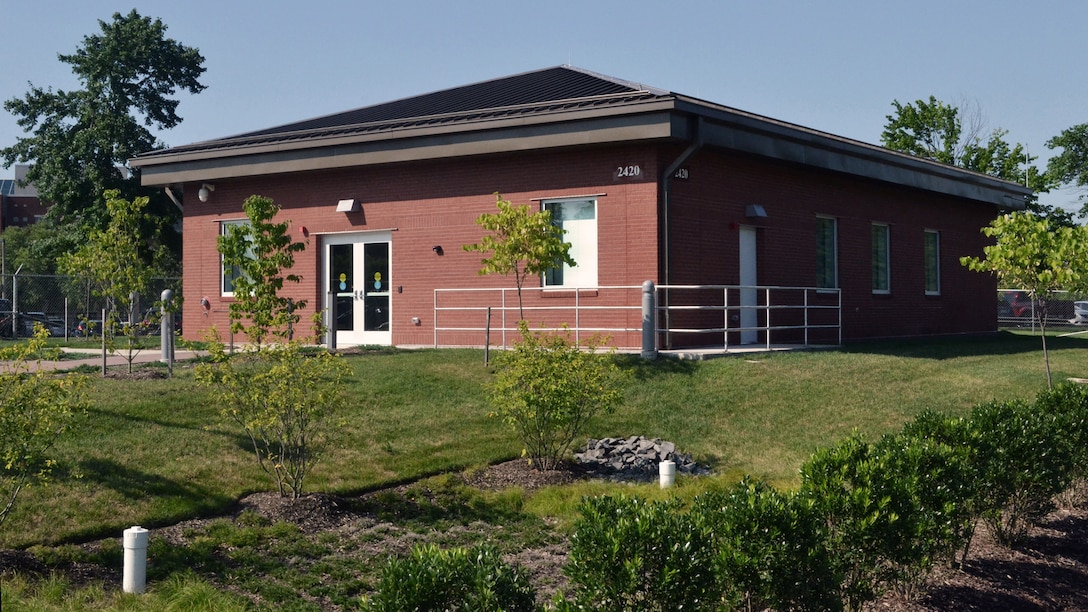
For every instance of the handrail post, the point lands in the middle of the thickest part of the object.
(767, 308)
(649, 321)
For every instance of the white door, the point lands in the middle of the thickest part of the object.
(749, 317)
(357, 277)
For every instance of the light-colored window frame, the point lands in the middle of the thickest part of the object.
(827, 262)
(585, 262)
(931, 261)
(881, 235)
(226, 277)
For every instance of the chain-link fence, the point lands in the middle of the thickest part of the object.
(64, 304)
(1015, 308)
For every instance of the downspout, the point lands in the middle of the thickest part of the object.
(666, 190)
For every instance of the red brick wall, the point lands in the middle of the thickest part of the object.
(429, 204)
(436, 203)
(708, 207)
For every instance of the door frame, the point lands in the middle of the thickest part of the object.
(357, 336)
(749, 278)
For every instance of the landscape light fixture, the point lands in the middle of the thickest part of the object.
(205, 190)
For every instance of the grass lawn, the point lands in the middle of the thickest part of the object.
(153, 452)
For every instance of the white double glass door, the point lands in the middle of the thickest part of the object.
(358, 289)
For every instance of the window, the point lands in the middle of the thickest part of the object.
(827, 272)
(881, 259)
(578, 219)
(932, 247)
(229, 274)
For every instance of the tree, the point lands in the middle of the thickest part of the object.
(1032, 255)
(1071, 165)
(522, 243)
(259, 252)
(36, 408)
(82, 139)
(120, 261)
(934, 130)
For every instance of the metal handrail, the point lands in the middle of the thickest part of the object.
(575, 305)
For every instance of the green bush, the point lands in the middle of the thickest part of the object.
(548, 388)
(1069, 403)
(473, 579)
(285, 400)
(770, 551)
(629, 554)
(36, 408)
(946, 482)
(1024, 459)
(870, 518)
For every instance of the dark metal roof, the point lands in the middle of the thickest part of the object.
(551, 85)
(561, 88)
(553, 107)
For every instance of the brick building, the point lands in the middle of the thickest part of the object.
(19, 205)
(649, 184)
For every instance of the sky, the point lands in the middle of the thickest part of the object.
(834, 66)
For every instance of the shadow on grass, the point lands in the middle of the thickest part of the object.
(438, 500)
(645, 369)
(186, 500)
(999, 343)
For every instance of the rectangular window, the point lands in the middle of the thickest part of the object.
(578, 219)
(827, 268)
(229, 274)
(933, 262)
(881, 259)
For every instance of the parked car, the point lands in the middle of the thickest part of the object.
(5, 318)
(1080, 313)
(1014, 304)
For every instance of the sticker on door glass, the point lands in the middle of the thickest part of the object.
(343, 282)
(377, 281)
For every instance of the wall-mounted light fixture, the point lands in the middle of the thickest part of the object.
(205, 190)
(438, 249)
(755, 211)
(347, 206)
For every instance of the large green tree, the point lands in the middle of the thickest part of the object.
(1071, 165)
(81, 140)
(1031, 254)
(955, 135)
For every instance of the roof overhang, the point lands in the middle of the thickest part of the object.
(656, 119)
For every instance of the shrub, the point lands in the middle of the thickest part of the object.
(473, 579)
(36, 408)
(769, 549)
(939, 480)
(1069, 403)
(1024, 460)
(629, 554)
(548, 388)
(871, 522)
(284, 400)
(946, 481)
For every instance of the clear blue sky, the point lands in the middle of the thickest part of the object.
(831, 66)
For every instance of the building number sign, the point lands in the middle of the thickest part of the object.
(634, 171)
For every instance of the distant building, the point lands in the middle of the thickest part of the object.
(19, 206)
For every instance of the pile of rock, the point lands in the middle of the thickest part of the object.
(634, 458)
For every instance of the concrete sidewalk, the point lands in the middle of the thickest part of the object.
(94, 359)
